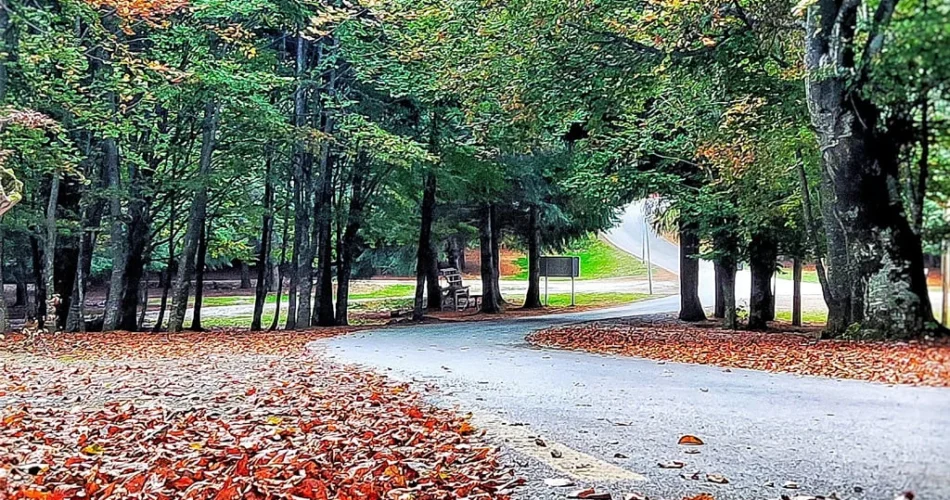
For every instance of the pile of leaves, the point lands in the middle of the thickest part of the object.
(918, 363)
(224, 416)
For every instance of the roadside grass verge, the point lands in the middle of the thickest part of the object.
(599, 260)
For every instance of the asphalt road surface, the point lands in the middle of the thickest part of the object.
(614, 418)
(760, 428)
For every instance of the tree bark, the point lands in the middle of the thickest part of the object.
(169, 265)
(875, 259)
(728, 290)
(763, 253)
(49, 251)
(425, 252)
(196, 220)
(117, 281)
(280, 267)
(263, 255)
(496, 254)
(302, 279)
(797, 292)
(719, 310)
(532, 299)
(324, 307)
(200, 260)
(351, 244)
(691, 309)
(490, 304)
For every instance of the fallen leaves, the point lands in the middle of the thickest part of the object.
(689, 439)
(225, 416)
(918, 363)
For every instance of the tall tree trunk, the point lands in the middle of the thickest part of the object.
(719, 310)
(875, 264)
(324, 306)
(245, 276)
(169, 265)
(280, 267)
(135, 267)
(49, 252)
(303, 197)
(728, 290)
(691, 309)
(196, 220)
(117, 281)
(496, 254)
(490, 304)
(350, 247)
(91, 219)
(763, 253)
(424, 253)
(797, 292)
(200, 260)
(532, 299)
(263, 255)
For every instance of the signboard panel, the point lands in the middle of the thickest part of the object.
(560, 267)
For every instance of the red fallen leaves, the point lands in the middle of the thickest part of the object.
(177, 418)
(919, 363)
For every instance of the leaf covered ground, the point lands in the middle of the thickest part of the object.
(919, 363)
(224, 415)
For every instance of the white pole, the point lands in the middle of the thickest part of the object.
(646, 241)
(945, 284)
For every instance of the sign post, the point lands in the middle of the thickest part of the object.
(560, 267)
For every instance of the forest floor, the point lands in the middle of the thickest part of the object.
(785, 349)
(224, 415)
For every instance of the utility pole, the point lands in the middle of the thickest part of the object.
(646, 253)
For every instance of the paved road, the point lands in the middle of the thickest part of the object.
(826, 435)
(860, 440)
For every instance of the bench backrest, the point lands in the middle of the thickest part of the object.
(452, 277)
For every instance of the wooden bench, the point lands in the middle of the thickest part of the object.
(456, 295)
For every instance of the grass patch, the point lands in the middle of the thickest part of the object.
(599, 259)
(808, 275)
(386, 292)
(587, 299)
(807, 316)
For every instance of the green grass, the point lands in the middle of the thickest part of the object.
(600, 299)
(599, 259)
(807, 316)
(386, 292)
(808, 275)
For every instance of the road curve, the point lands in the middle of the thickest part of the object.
(760, 428)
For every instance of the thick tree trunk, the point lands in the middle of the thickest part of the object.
(797, 292)
(324, 307)
(196, 220)
(117, 281)
(691, 309)
(490, 304)
(200, 260)
(532, 299)
(763, 253)
(719, 310)
(135, 266)
(425, 251)
(263, 254)
(875, 261)
(245, 276)
(351, 244)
